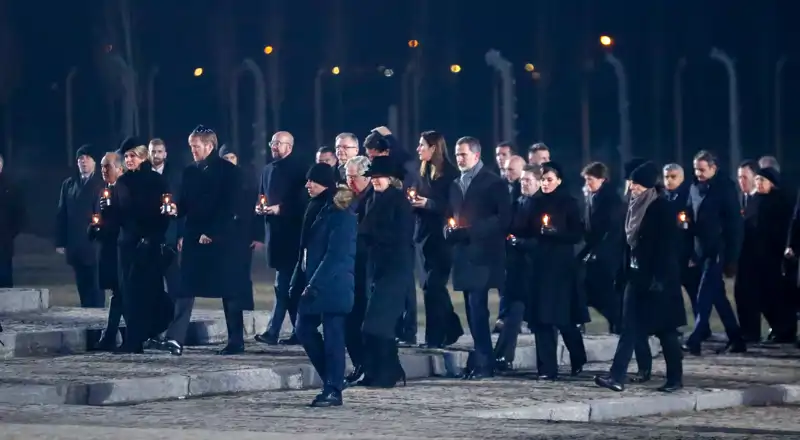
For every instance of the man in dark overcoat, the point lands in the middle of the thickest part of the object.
(282, 186)
(248, 234)
(323, 279)
(12, 219)
(157, 151)
(207, 204)
(481, 214)
(75, 208)
(105, 233)
(603, 232)
(653, 302)
(716, 226)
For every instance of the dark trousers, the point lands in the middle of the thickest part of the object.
(114, 315)
(748, 307)
(779, 309)
(711, 294)
(6, 269)
(477, 307)
(172, 278)
(601, 293)
(181, 319)
(631, 340)
(407, 327)
(234, 322)
(546, 338)
(442, 324)
(283, 303)
(502, 305)
(354, 341)
(327, 351)
(506, 345)
(87, 281)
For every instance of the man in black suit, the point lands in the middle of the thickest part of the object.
(75, 208)
(481, 213)
(715, 224)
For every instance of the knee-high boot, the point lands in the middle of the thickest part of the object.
(389, 370)
(371, 360)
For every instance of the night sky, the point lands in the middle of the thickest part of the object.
(41, 40)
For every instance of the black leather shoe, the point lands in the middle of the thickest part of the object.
(452, 338)
(502, 365)
(127, 349)
(642, 377)
(231, 349)
(478, 375)
(154, 344)
(291, 340)
(577, 369)
(327, 399)
(550, 377)
(607, 382)
(266, 338)
(733, 347)
(173, 347)
(670, 387)
(693, 349)
(105, 344)
(355, 376)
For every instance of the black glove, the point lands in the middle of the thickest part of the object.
(103, 203)
(656, 286)
(590, 257)
(93, 231)
(456, 235)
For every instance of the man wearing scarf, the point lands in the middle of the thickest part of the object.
(653, 303)
(323, 281)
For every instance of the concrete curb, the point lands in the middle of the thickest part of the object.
(74, 340)
(16, 300)
(423, 364)
(617, 408)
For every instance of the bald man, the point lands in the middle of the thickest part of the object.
(511, 170)
(283, 187)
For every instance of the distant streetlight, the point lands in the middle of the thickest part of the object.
(530, 67)
(268, 50)
(198, 71)
(336, 70)
(455, 68)
(413, 43)
(606, 41)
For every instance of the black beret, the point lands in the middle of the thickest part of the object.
(129, 144)
(86, 150)
(770, 174)
(554, 167)
(227, 149)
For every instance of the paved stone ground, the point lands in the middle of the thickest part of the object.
(431, 408)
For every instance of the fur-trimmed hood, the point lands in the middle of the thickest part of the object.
(344, 197)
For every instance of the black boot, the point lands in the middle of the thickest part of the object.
(356, 375)
(371, 363)
(389, 369)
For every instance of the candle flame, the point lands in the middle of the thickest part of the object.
(95, 219)
(510, 237)
(106, 193)
(452, 222)
(682, 216)
(546, 220)
(412, 192)
(166, 198)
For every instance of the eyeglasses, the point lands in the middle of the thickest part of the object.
(345, 147)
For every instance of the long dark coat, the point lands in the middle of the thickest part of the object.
(329, 257)
(556, 298)
(715, 220)
(173, 175)
(136, 208)
(485, 211)
(105, 236)
(247, 228)
(519, 263)
(359, 206)
(432, 251)
(387, 229)
(12, 215)
(766, 242)
(207, 205)
(603, 222)
(657, 256)
(75, 208)
(283, 183)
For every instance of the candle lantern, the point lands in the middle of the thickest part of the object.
(166, 204)
(105, 197)
(683, 220)
(451, 223)
(546, 223)
(412, 194)
(511, 239)
(95, 219)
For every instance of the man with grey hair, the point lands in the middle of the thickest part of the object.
(769, 162)
(346, 148)
(12, 217)
(477, 229)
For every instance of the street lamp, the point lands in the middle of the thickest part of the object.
(455, 68)
(268, 50)
(198, 71)
(335, 70)
(622, 100)
(530, 67)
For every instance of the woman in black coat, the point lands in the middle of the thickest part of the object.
(387, 230)
(653, 301)
(429, 200)
(555, 301)
(136, 208)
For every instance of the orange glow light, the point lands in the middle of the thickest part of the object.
(545, 220)
(452, 222)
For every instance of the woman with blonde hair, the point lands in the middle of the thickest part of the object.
(429, 201)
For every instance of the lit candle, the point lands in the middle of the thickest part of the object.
(106, 193)
(451, 222)
(412, 193)
(167, 198)
(545, 220)
(96, 219)
(262, 200)
(166, 207)
(682, 217)
(511, 237)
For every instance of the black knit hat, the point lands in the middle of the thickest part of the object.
(631, 165)
(227, 149)
(646, 174)
(770, 174)
(86, 150)
(322, 174)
